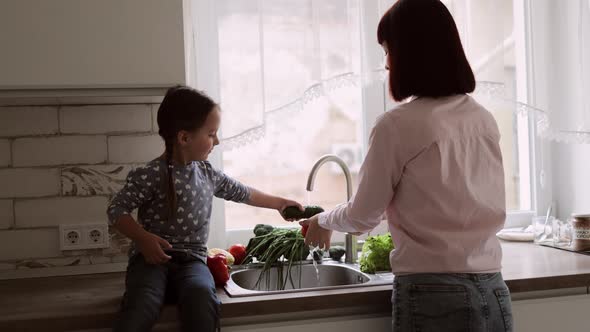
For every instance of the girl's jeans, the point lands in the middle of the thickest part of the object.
(147, 287)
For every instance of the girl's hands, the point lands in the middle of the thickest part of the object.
(151, 247)
(316, 236)
(260, 199)
(285, 203)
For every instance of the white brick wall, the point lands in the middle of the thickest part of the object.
(93, 180)
(98, 119)
(49, 151)
(4, 152)
(134, 149)
(6, 214)
(62, 261)
(99, 259)
(155, 117)
(29, 182)
(28, 120)
(57, 164)
(7, 266)
(62, 210)
(120, 259)
(33, 243)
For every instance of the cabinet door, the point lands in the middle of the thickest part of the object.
(567, 313)
(91, 44)
(332, 324)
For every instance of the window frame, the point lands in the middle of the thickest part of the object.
(203, 52)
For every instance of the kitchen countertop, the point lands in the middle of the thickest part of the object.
(92, 301)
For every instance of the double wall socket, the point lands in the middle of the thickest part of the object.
(83, 236)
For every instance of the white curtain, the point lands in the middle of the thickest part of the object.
(277, 56)
(559, 33)
(570, 69)
(292, 73)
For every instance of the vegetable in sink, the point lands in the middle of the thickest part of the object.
(275, 249)
(278, 247)
(280, 242)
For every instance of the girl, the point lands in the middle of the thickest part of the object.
(174, 194)
(434, 168)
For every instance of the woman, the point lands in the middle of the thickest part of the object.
(434, 170)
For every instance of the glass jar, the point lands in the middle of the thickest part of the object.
(581, 232)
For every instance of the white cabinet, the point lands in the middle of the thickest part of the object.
(552, 314)
(545, 311)
(332, 324)
(91, 44)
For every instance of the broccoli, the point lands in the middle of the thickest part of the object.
(375, 253)
(336, 252)
(262, 229)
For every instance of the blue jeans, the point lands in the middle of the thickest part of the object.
(189, 283)
(451, 302)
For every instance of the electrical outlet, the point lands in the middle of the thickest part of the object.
(84, 236)
(72, 237)
(97, 236)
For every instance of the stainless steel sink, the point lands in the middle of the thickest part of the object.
(331, 275)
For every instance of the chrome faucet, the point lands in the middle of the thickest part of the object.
(350, 242)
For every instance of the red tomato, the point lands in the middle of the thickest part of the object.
(239, 253)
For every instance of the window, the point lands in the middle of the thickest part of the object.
(493, 58)
(271, 53)
(275, 57)
(493, 35)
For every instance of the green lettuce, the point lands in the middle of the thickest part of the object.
(375, 253)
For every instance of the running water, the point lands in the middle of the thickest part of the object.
(312, 251)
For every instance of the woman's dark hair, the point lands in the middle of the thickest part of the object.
(426, 58)
(183, 108)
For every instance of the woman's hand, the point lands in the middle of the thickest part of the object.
(316, 236)
(285, 203)
(151, 247)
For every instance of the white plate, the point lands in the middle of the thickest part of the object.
(519, 234)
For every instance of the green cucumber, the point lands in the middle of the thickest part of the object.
(292, 212)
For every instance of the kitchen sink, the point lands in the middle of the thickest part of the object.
(330, 275)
